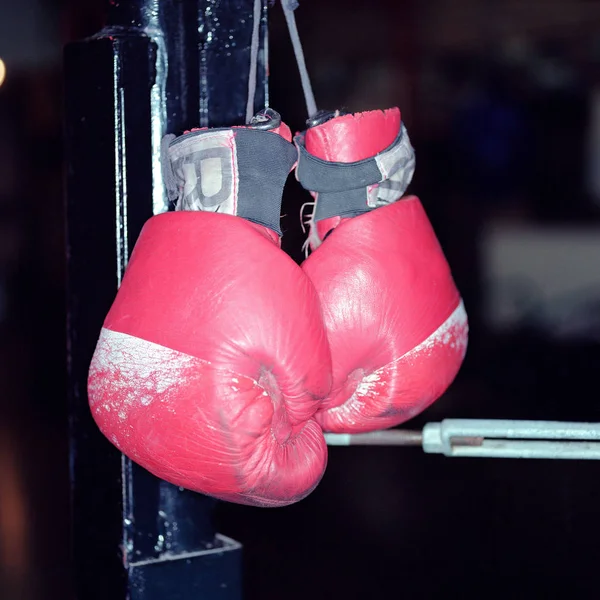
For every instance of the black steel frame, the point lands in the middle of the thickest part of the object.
(158, 66)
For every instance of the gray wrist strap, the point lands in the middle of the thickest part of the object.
(349, 189)
(236, 171)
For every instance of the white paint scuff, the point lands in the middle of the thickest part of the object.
(368, 383)
(452, 332)
(139, 371)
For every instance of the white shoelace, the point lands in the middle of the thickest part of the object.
(289, 6)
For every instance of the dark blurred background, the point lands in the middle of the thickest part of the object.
(502, 101)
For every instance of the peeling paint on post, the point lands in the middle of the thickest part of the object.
(158, 66)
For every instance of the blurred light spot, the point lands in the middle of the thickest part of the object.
(2, 72)
(14, 529)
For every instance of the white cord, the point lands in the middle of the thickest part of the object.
(289, 6)
(254, 48)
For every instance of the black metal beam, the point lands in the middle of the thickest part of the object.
(158, 66)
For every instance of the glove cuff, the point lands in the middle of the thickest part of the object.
(347, 189)
(239, 171)
(348, 138)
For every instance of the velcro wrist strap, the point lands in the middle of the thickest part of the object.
(235, 171)
(349, 189)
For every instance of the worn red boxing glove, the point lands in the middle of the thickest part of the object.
(213, 358)
(396, 324)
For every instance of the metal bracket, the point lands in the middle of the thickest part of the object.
(470, 438)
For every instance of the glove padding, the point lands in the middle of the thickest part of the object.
(213, 359)
(395, 321)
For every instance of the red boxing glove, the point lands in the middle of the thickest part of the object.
(396, 324)
(213, 359)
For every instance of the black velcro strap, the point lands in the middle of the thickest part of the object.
(236, 171)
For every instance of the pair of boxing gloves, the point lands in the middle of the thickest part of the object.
(222, 362)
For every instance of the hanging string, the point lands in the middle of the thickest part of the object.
(265, 20)
(289, 6)
(254, 48)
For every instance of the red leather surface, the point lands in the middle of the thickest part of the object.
(214, 361)
(393, 315)
(351, 138)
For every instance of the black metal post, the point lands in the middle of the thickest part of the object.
(158, 66)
